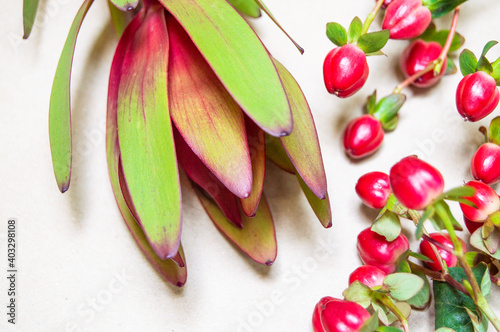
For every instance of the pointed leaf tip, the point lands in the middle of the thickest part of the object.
(30, 8)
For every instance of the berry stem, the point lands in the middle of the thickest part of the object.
(370, 17)
(442, 276)
(436, 64)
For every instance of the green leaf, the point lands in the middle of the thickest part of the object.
(375, 53)
(60, 105)
(468, 62)
(370, 325)
(451, 68)
(321, 207)
(443, 216)
(125, 5)
(238, 58)
(373, 41)
(302, 145)
(371, 102)
(494, 131)
(451, 304)
(429, 32)
(476, 240)
(354, 30)
(387, 225)
(488, 46)
(145, 135)
(119, 18)
(388, 329)
(391, 124)
(29, 14)
(359, 293)
(396, 207)
(257, 237)
(387, 108)
(423, 298)
(441, 37)
(336, 33)
(276, 153)
(428, 213)
(439, 8)
(246, 7)
(463, 191)
(171, 270)
(420, 256)
(403, 286)
(496, 71)
(207, 117)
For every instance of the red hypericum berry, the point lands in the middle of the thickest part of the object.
(415, 183)
(363, 136)
(375, 250)
(416, 57)
(368, 275)
(335, 315)
(472, 225)
(477, 96)
(406, 19)
(485, 163)
(345, 70)
(374, 189)
(450, 260)
(485, 199)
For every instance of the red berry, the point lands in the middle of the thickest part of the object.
(406, 19)
(415, 183)
(450, 260)
(375, 250)
(345, 70)
(335, 315)
(363, 136)
(368, 275)
(485, 199)
(374, 189)
(416, 57)
(477, 96)
(472, 225)
(485, 163)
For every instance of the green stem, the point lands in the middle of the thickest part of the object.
(371, 17)
(385, 300)
(485, 308)
(436, 64)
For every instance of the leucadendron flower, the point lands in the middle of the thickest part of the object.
(192, 86)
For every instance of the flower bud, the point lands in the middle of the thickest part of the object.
(363, 136)
(335, 315)
(477, 96)
(375, 250)
(485, 163)
(450, 260)
(416, 57)
(406, 19)
(374, 189)
(415, 183)
(485, 199)
(368, 275)
(345, 70)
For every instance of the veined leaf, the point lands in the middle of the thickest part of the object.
(246, 7)
(201, 175)
(60, 105)
(257, 238)
(145, 135)
(302, 145)
(208, 119)
(276, 153)
(169, 269)
(29, 14)
(257, 146)
(125, 4)
(238, 58)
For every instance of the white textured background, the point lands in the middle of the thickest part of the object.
(74, 248)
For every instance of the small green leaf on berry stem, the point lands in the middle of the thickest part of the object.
(463, 191)
(336, 33)
(403, 286)
(420, 256)
(441, 36)
(451, 68)
(354, 30)
(494, 131)
(388, 329)
(391, 124)
(371, 101)
(388, 226)
(429, 32)
(373, 41)
(371, 324)
(439, 8)
(387, 108)
(488, 46)
(428, 213)
(468, 62)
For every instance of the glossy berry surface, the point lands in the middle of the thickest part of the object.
(363, 136)
(416, 57)
(375, 250)
(485, 163)
(406, 19)
(485, 199)
(415, 183)
(345, 70)
(449, 259)
(374, 189)
(477, 96)
(335, 315)
(368, 275)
